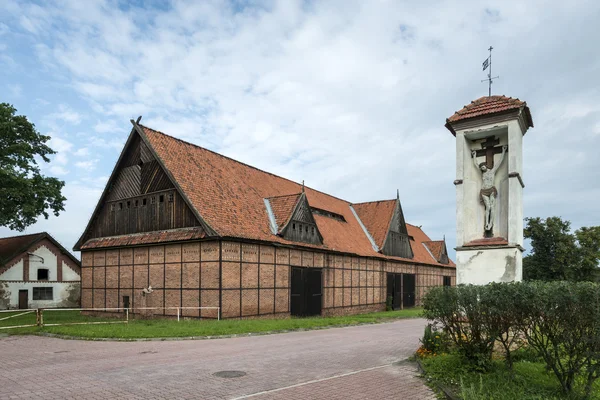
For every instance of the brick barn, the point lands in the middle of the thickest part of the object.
(204, 230)
(36, 271)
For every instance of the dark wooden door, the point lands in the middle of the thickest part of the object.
(314, 293)
(408, 292)
(23, 299)
(297, 300)
(306, 292)
(394, 289)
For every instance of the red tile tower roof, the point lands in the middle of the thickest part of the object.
(488, 105)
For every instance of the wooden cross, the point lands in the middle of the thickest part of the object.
(488, 149)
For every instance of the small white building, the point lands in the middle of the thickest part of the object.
(37, 272)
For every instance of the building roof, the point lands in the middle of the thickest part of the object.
(436, 247)
(376, 216)
(488, 105)
(283, 207)
(11, 247)
(229, 197)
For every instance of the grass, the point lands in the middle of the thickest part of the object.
(530, 380)
(164, 328)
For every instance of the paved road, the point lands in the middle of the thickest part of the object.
(339, 363)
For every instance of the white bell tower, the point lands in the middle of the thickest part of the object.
(489, 189)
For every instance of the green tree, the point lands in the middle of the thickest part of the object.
(26, 193)
(558, 254)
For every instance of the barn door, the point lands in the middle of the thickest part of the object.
(23, 298)
(394, 289)
(408, 295)
(315, 291)
(306, 292)
(297, 292)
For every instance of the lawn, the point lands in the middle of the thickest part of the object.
(164, 328)
(530, 380)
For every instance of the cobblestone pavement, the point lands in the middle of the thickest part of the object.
(339, 363)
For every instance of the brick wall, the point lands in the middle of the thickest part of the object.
(254, 280)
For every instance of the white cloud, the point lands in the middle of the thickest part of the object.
(88, 165)
(82, 152)
(350, 96)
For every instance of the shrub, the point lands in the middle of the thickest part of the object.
(459, 312)
(560, 322)
(389, 306)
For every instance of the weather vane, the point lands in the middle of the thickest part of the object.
(488, 63)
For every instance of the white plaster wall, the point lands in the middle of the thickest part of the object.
(69, 274)
(14, 273)
(60, 292)
(485, 265)
(50, 262)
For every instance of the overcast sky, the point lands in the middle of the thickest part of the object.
(350, 96)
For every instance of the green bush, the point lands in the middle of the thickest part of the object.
(559, 321)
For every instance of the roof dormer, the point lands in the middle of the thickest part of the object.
(291, 217)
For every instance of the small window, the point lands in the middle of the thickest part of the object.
(170, 197)
(112, 207)
(152, 200)
(313, 230)
(144, 202)
(306, 229)
(294, 227)
(161, 198)
(136, 203)
(120, 206)
(42, 274)
(125, 301)
(128, 203)
(42, 293)
(447, 281)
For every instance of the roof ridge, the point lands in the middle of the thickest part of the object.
(284, 195)
(242, 163)
(27, 234)
(373, 201)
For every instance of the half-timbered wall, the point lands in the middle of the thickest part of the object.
(245, 280)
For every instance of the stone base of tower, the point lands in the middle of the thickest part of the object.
(482, 265)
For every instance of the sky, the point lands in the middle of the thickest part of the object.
(349, 96)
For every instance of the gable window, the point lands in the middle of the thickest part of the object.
(162, 198)
(42, 293)
(120, 206)
(170, 197)
(42, 274)
(152, 200)
(144, 202)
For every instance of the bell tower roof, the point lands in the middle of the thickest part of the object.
(488, 106)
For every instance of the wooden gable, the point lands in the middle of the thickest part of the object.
(397, 241)
(302, 226)
(139, 197)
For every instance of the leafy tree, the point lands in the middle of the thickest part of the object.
(26, 193)
(558, 254)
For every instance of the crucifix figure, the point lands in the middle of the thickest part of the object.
(488, 192)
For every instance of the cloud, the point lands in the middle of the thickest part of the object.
(349, 96)
(88, 165)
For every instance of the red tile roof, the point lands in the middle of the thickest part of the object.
(173, 235)
(376, 216)
(489, 105)
(417, 247)
(436, 247)
(229, 196)
(282, 207)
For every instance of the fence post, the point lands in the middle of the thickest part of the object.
(177, 314)
(40, 317)
(38, 320)
(218, 313)
(127, 315)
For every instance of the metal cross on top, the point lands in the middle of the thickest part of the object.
(488, 149)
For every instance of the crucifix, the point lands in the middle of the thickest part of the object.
(488, 149)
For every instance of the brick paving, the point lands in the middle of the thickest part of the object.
(340, 363)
